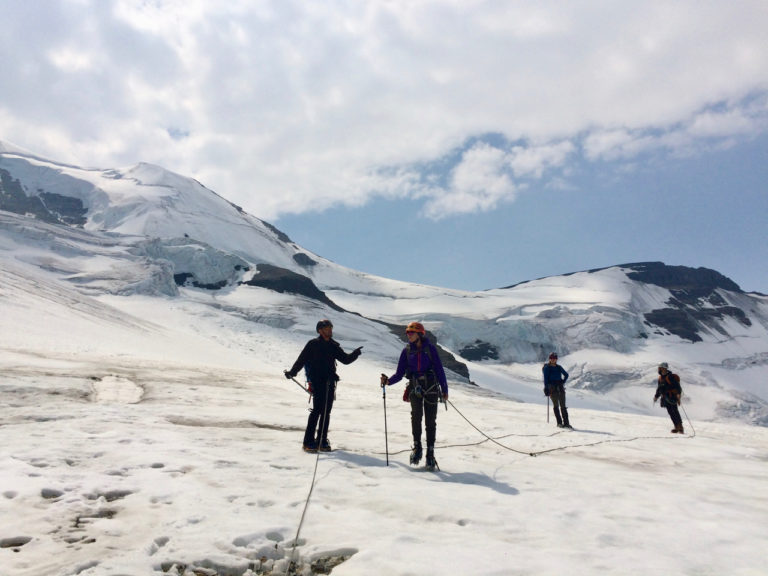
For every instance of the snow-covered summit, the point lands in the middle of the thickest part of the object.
(143, 230)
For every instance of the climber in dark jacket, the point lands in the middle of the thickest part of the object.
(555, 377)
(319, 357)
(669, 390)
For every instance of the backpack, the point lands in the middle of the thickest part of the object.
(673, 388)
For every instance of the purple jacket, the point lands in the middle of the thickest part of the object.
(417, 362)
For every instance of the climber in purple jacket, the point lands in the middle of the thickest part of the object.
(427, 386)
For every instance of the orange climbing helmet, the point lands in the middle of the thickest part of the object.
(417, 327)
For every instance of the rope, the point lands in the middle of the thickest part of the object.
(538, 452)
(470, 444)
(303, 515)
(311, 489)
(548, 450)
(487, 438)
(689, 421)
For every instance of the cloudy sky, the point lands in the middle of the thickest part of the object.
(463, 143)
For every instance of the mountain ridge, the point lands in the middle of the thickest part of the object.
(145, 231)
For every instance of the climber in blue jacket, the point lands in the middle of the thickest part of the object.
(555, 377)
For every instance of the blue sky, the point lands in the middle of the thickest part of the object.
(469, 144)
(708, 210)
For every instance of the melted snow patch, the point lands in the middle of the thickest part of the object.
(116, 390)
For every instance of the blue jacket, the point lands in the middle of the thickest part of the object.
(553, 375)
(417, 362)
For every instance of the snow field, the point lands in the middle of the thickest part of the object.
(205, 470)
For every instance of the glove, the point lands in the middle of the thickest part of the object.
(655, 399)
(309, 388)
(288, 374)
(384, 380)
(356, 352)
(678, 399)
(546, 391)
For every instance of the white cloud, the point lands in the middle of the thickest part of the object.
(701, 130)
(289, 106)
(71, 59)
(606, 144)
(616, 145)
(477, 183)
(535, 159)
(721, 124)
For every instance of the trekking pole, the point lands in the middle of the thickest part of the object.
(547, 409)
(386, 437)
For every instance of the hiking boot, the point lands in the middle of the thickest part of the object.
(416, 454)
(310, 447)
(325, 446)
(674, 430)
(680, 429)
(566, 423)
(431, 462)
